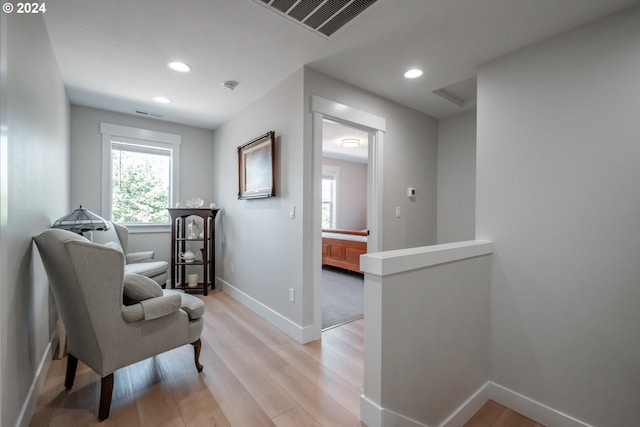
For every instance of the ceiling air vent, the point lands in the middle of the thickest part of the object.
(323, 17)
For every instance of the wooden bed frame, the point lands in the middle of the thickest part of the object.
(343, 253)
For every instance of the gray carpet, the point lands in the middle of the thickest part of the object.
(342, 296)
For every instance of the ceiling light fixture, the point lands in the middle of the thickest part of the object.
(350, 143)
(413, 73)
(162, 100)
(178, 66)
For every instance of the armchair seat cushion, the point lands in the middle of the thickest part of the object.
(192, 305)
(149, 269)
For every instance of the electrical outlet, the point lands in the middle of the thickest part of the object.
(292, 295)
(397, 211)
(231, 266)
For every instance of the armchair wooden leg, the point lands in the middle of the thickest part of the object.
(72, 365)
(197, 346)
(106, 391)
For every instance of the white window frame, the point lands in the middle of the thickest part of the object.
(332, 172)
(125, 134)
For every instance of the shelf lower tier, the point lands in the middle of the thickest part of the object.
(199, 288)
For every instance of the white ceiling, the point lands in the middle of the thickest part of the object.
(112, 54)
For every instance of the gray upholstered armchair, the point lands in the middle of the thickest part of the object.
(142, 263)
(89, 285)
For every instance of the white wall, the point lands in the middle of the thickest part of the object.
(351, 208)
(558, 193)
(196, 166)
(457, 178)
(34, 183)
(257, 236)
(410, 158)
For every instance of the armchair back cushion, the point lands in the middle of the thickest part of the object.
(114, 233)
(117, 236)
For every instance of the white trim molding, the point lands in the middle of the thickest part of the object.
(396, 261)
(345, 113)
(374, 415)
(537, 411)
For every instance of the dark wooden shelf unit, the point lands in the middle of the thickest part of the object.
(179, 220)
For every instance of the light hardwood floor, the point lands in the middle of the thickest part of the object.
(254, 375)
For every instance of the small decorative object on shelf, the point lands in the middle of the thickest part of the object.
(187, 239)
(192, 279)
(192, 230)
(196, 202)
(187, 256)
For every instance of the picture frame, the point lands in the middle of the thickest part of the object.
(255, 168)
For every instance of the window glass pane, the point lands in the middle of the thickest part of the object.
(140, 185)
(326, 215)
(328, 202)
(327, 189)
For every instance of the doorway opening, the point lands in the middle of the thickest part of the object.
(345, 160)
(373, 127)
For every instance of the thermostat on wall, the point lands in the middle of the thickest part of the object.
(411, 192)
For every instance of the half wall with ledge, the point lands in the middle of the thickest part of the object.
(427, 343)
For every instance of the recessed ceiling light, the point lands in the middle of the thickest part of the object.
(413, 73)
(179, 66)
(162, 99)
(350, 142)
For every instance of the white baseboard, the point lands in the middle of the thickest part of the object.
(31, 400)
(370, 412)
(528, 407)
(374, 415)
(465, 411)
(302, 334)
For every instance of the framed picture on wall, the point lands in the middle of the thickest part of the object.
(255, 168)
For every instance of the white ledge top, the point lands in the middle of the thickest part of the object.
(397, 261)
